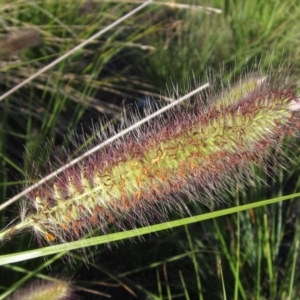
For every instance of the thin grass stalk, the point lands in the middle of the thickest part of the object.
(78, 47)
(110, 238)
(102, 145)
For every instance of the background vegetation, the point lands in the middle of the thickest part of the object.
(158, 51)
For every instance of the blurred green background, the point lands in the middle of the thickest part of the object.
(160, 52)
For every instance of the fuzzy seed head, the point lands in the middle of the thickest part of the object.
(44, 290)
(192, 151)
(14, 42)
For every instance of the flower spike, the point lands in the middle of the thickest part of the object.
(193, 150)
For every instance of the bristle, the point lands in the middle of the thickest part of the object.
(196, 151)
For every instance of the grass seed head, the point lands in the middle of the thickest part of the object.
(45, 290)
(17, 41)
(192, 150)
